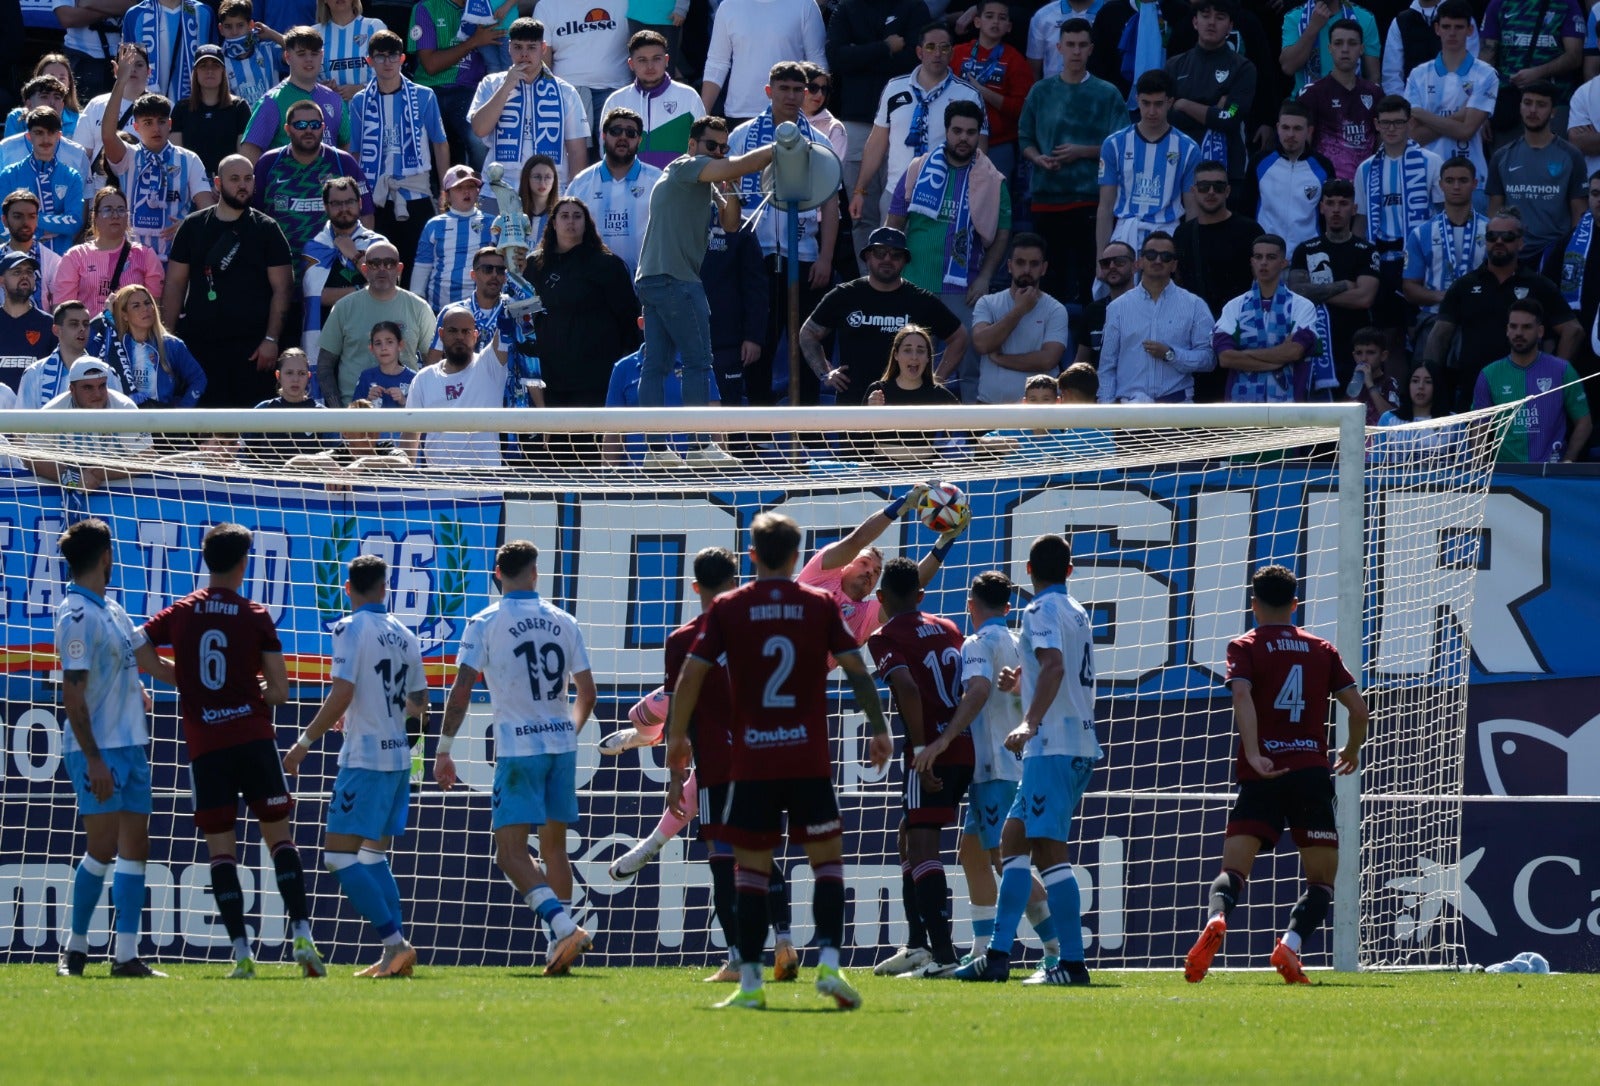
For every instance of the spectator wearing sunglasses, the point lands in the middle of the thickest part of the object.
(1157, 335)
(1115, 269)
(289, 178)
(617, 188)
(1214, 256)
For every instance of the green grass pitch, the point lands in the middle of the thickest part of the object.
(650, 1026)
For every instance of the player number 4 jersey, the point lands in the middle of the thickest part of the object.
(1291, 674)
(985, 655)
(1054, 620)
(527, 651)
(374, 652)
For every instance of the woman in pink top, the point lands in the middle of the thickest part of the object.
(93, 271)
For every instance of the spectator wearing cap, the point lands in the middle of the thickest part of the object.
(1540, 174)
(213, 119)
(20, 210)
(88, 389)
(25, 329)
(860, 319)
(228, 286)
(443, 271)
(345, 349)
(402, 193)
(289, 178)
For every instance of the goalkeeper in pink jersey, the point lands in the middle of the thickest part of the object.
(848, 570)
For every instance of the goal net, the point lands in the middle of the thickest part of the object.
(1169, 510)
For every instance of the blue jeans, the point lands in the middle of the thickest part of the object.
(676, 317)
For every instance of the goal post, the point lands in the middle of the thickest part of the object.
(1169, 509)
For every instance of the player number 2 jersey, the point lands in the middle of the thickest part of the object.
(527, 651)
(985, 655)
(777, 635)
(1292, 674)
(374, 652)
(95, 635)
(929, 649)
(1054, 620)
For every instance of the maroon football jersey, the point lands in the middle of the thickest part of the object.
(929, 648)
(712, 726)
(777, 635)
(1292, 674)
(217, 638)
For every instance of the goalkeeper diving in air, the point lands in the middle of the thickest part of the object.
(848, 570)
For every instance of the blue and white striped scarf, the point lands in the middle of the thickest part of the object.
(917, 135)
(1416, 200)
(546, 124)
(322, 256)
(762, 132)
(148, 27)
(1575, 259)
(927, 198)
(408, 102)
(1264, 324)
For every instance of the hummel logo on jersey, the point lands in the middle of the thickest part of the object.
(347, 801)
(1038, 805)
(497, 795)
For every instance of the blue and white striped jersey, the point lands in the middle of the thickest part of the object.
(1404, 192)
(374, 652)
(344, 50)
(443, 271)
(1054, 620)
(95, 635)
(1151, 175)
(254, 67)
(1439, 252)
(984, 655)
(527, 651)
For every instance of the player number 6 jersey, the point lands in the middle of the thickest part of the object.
(527, 651)
(373, 651)
(1054, 620)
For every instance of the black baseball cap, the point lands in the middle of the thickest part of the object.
(888, 236)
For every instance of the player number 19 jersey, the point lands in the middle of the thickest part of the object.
(375, 653)
(1054, 620)
(527, 651)
(985, 655)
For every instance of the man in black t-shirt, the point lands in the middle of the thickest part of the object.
(228, 290)
(1214, 257)
(864, 314)
(1339, 271)
(1115, 269)
(1477, 306)
(26, 332)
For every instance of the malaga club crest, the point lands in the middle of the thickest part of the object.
(1221, 74)
(1366, 101)
(1520, 292)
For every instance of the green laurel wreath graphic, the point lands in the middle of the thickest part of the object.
(450, 562)
(332, 556)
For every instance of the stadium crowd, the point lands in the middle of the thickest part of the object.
(1203, 202)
